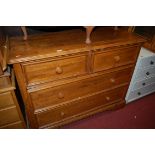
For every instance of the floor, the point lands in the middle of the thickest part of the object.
(139, 114)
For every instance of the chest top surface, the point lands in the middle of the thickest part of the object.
(67, 42)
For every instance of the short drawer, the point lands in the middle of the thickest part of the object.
(143, 83)
(64, 93)
(144, 73)
(39, 72)
(16, 125)
(4, 83)
(6, 100)
(133, 95)
(9, 115)
(147, 62)
(115, 58)
(78, 107)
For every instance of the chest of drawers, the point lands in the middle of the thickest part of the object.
(143, 80)
(10, 113)
(62, 79)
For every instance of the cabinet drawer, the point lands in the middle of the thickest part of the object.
(1, 62)
(6, 100)
(147, 62)
(59, 94)
(4, 83)
(143, 83)
(144, 73)
(133, 95)
(16, 125)
(9, 116)
(83, 105)
(53, 70)
(115, 58)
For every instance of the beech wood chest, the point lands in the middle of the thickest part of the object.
(62, 79)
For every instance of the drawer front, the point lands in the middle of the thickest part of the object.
(9, 116)
(17, 125)
(53, 96)
(6, 100)
(75, 108)
(115, 58)
(53, 70)
(143, 83)
(141, 92)
(144, 73)
(147, 62)
(1, 62)
(5, 83)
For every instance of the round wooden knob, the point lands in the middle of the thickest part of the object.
(62, 113)
(58, 70)
(76, 74)
(117, 58)
(108, 98)
(112, 80)
(60, 95)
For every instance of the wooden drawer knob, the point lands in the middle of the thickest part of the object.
(112, 80)
(60, 95)
(108, 98)
(58, 70)
(62, 113)
(117, 58)
(76, 74)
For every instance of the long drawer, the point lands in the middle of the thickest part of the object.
(144, 73)
(6, 100)
(43, 71)
(143, 83)
(147, 62)
(64, 93)
(9, 115)
(115, 58)
(77, 107)
(140, 92)
(16, 125)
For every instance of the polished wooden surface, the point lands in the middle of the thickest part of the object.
(5, 84)
(26, 98)
(44, 71)
(6, 100)
(67, 43)
(81, 106)
(89, 30)
(16, 125)
(3, 51)
(150, 44)
(62, 79)
(1, 62)
(10, 113)
(64, 93)
(115, 58)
